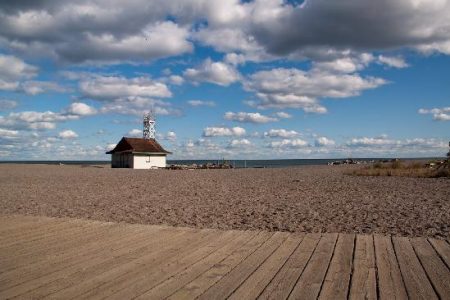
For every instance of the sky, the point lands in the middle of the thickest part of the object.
(262, 79)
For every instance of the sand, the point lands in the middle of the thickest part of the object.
(301, 199)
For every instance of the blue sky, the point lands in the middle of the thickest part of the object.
(241, 80)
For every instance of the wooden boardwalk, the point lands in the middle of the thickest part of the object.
(78, 259)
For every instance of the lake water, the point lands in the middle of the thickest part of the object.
(272, 163)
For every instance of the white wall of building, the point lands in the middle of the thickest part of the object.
(148, 162)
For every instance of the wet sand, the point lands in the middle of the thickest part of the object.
(301, 199)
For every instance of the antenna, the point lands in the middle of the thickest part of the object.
(149, 131)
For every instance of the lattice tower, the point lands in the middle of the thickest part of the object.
(149, 131)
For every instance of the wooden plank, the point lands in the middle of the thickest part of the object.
(62, 261)
(26, 228)
(174, 283)
(443, 249)
(364, 279)
(94, 266)
(282, 284)
(35, 237)
(52, 249)
(437, 271)
(51, 240)
(37, 233)
(28, 256)
(310, 282)
(224, 287)
(255, 284)
(337, 280)
(44, 270)
(390, 282)
(107, 282)
(416, 282)
(140, 284)
(198, 286)
(14, 223)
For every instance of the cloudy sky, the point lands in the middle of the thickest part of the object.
(241, 80)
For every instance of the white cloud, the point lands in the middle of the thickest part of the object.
(439, 114)
(135, 133)
(68, 134)
(214, 72)
(137, 106)
(349, 63)
(42, 125)
(228, 40)
(95, 33)
(235, 59)
(201, 103)
(248, 117)
(8, 134)
(39, 87)
(282, 133)
(294, 28)
(223, 131)
(283, 115)
(376, 141)
(239, 143)
(34, 120)
(158, 40)
(13, 70)
(391, 61)
(136, 31)
(171, 136)
(81, 109)
(282, 88)
(176, 79)
(324, 142)
(7, 104)
(114, 87)
(442, 117)
(15, 75)
(384, 146)
(289, 143)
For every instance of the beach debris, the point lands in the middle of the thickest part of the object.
(202, 166)
(349, 161)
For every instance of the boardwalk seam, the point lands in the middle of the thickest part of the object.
(59, 270)
(400, 269)
(425, 270)
(328, 267)
(235, 266)
(377, 276)
(307, 262)
(187, 267)
(248, 241)
(258, 267)
(439, 255)
(27, 255)
(279, 270)
(119, 275)
(352, 268)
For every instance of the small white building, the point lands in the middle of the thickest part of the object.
(138, 153)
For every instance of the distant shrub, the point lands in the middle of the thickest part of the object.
(443, 172)
(396, 168)
(377, 165)
(416, 165)
(396, 164)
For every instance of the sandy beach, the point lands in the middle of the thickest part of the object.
(301, 199)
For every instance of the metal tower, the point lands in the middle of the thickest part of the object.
(149, 131)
